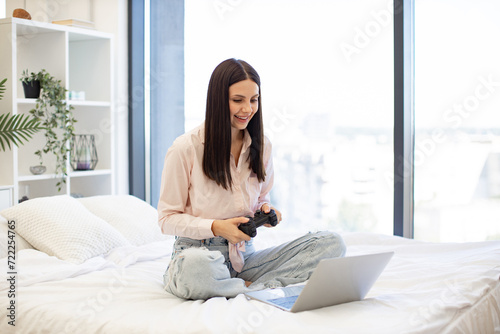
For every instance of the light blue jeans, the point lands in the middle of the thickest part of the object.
(200, 269)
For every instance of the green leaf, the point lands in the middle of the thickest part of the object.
(52, 112)
(17, 129)
(2, 88)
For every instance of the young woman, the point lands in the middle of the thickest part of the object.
(213, 177)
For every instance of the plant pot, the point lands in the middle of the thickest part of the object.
(38, 170)
(31, 89)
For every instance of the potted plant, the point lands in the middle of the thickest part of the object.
(56, 118)
(31, 84)
(15, 128)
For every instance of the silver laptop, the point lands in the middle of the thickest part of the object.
(334, 281)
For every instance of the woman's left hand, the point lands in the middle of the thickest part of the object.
(267, 208)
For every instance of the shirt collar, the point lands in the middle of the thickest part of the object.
(201, 133)
(247, 140)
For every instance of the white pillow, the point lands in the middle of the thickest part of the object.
(61, 226)
(131, 216)
(19, 242)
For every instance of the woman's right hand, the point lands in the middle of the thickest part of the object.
(228, 229)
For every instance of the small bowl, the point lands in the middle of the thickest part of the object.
(37, 170)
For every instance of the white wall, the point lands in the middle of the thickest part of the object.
(109, 16)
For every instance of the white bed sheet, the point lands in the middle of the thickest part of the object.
(426, 288)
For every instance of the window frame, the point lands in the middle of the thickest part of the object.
(404, 136)
(404, 127)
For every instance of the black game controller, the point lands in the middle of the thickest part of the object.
(260, 218)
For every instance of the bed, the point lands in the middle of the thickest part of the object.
(95, 265)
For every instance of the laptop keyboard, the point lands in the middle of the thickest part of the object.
(286, 302)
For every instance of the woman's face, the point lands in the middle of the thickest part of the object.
(243, 103)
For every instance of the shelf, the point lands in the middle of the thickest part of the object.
(31, 27)
(25, 178)
(82, 173)
(82, 60)
(26, 101)
(70, 102)
(89, 103)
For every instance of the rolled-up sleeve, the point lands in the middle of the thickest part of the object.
(267, 185)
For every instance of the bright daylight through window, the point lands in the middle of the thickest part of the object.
(457, 117)
(2, 9)
(327, 91)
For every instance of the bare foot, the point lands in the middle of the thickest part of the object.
(247, 283)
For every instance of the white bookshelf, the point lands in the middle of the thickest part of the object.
(82, 60)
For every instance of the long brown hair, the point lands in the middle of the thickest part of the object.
(217, 150)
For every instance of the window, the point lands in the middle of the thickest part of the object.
(457, 120)
(2, 9)
(327, 92)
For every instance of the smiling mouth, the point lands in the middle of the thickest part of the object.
(242, 118)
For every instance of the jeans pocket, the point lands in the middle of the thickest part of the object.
(184, 243)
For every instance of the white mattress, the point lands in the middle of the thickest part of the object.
(426, 288)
